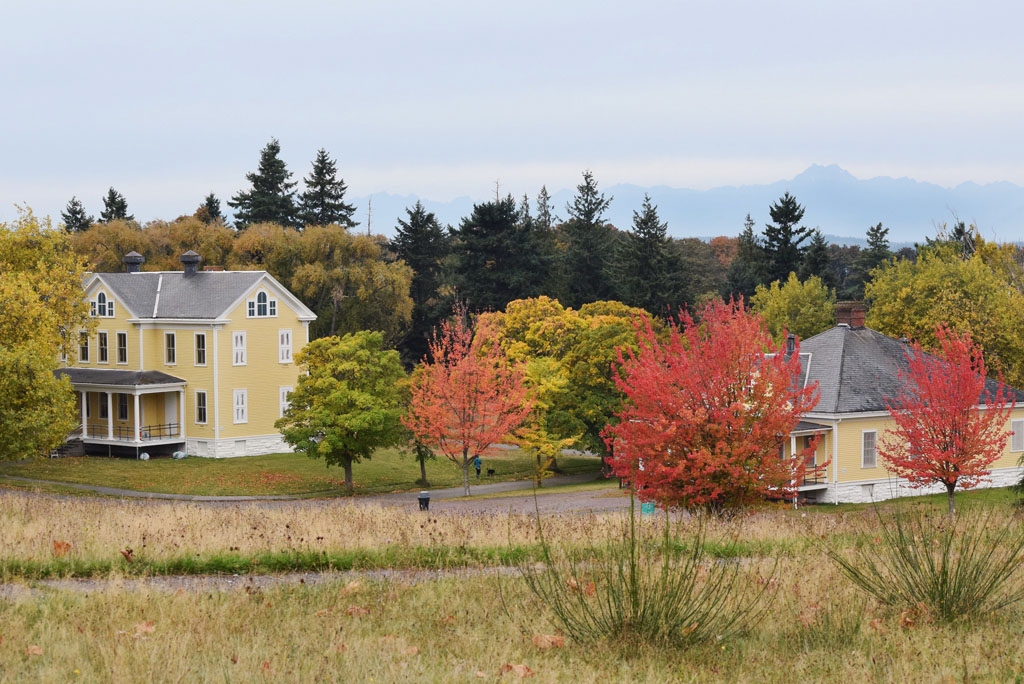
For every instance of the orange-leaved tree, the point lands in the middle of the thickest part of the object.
(709, 405)
(950, 418)
(466, 398)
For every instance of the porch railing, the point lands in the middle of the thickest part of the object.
(127, 433)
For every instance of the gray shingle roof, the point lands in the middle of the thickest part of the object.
(123, 378)
(858, 368)
(206, 294)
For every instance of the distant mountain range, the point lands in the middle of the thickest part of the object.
(838, 203)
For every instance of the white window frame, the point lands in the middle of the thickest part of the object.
(170, 350)
(863, 448)
(268, 305)
(1017, 438)
(195, 342)
(284, 349)
(101, 348)
(122, 406)
(83, 358)
(117, 348)
(240, 409)
(101, 309)
(204, 406)
(282, 396)
(238, 351)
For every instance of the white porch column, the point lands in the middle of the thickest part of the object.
(181, 413)
(85, 419)
(135, 418)
(110, 415)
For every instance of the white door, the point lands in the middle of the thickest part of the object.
(170, 408)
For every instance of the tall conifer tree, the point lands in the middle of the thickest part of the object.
(423, 244)
(323, 202)
(115, 207)
(644, 273)
(545, 216)
(749, 268)
(74, 217)
(817, 261)
(271, 197)
(874, 255)
(783, 239)
(209, 211)
(589, 248)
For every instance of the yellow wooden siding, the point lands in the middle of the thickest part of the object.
(263, 375)
(119, 323)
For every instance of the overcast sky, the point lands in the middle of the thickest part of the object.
(169, 101)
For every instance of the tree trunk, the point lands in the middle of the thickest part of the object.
(465, 469)
(423, 470)
(949, 492)
(348, 477)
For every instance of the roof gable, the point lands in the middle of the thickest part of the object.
(172, 294)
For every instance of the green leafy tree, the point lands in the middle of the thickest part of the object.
(348, 402)
(802, 308)
(783, 239)
(749, 268)
(42, 310)
(423, 244)
(645, 273)
(209, 211)
(323, 202)
(499, 256)
(115, 207)
(817, 261)
(589, 246)
(74, 217)
(271, 198)
(913, 298)
(874, 255)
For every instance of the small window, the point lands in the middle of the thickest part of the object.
(92, 308)
(101, 347)
(102, 398)
(110, 308)
(238, 349)
(122, 407)
(169, 350)
(241, 404)
(284, 346)
(239, 447)
(273, 307)
(869, 457)
(88, 405)
(252, 310)
(83, 347)
(122, 347)
(200, 407)
(261, 305)
(285, 391)
(1017, 440)
(200, 349)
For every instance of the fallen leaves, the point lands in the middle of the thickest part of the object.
(61, 548)
(546, 641)
(34, 650)
(588, 589)
(351, 588)
(877, 625)
(356, 611)
(411, 651)
(520, 670)
(127, 553)
(145, 627)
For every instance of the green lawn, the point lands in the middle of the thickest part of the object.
(388, 471)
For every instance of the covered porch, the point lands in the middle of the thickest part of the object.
(799, 439)
(128, 408)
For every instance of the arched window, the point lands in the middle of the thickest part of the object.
(261, 304)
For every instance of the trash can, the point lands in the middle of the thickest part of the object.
(647, 508)
(424, 500)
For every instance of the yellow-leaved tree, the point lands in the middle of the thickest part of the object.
(802, 308)
(42, 308)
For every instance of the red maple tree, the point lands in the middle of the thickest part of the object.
(466, 398)
(950, 426)
(707, 412)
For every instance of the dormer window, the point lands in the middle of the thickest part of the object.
(262, 307)
(101, 307)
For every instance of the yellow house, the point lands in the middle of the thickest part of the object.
(190, 360)
(856, 369)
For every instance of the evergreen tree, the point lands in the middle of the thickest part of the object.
(209, 211)
(323, 202)
(74, 217)
(499, 256)
(783, 238)
(272, 197)
(816, 261)
(749, 268)
(590, 246)
(546, 218)
(115, 207)
(643, 268)
(874, 255)
(424, 245)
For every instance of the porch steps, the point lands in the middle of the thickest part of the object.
(72, 447)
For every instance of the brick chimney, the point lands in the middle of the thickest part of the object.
(190, 262)
(850, 314)
(133, 262)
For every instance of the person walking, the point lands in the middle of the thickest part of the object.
(476, 464)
